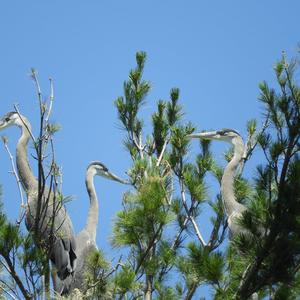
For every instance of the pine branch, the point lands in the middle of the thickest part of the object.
(6, 291)
(162, 151)
(30, 132)
(150, 246)
(191, 291)
(14, 172)
(250, 145)
(16, 278)
(51, 101)
(198, 233)
(38, 89)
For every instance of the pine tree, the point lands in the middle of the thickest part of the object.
(166, 190)
(164, 254)
(275, 205)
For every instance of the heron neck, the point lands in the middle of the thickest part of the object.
(227, 182)
(27, 178)
(93, 213)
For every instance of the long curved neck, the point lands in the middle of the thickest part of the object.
(227, 182)
(27, 178)
(93, 214)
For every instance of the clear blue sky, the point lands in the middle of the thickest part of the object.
(216, 52)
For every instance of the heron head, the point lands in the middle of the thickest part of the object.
(102, 170)
(227, 135)
(9, 119)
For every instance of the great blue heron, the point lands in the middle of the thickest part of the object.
(63, 245)
(233, 208)
(86, 239)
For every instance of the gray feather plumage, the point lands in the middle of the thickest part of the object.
(233, 208)
(63, 245)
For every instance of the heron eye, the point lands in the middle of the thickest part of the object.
(7, 119)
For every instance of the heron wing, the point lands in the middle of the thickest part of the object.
(63, 253)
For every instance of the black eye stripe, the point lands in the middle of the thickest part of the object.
(99, 164)
(102, 166)
(222, 132)
(227, 131)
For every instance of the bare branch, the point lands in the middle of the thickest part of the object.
(16, 278)
(162, 152)
(183, 226)
(115, 268)
(198, 233)
(150, 246)
(14, 172)
(20, 116)
(38, 88)
(51, 101)
(6, 291)
(251, 144)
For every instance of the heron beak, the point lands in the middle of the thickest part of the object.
(2, 124)
(116, 178)
(203, 135)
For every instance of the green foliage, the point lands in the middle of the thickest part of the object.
(180, 146)
(160, 126)
(10, 239)
(18, 251)
(242, 189)
(174, 110)
(125, 280)
(167, 117)
(145, 212)
(143, 226)
(251, 127)
(273, 215)
(167, 293)
(53, 128)
(290, 291)
(31, 255)
(194, 183)
(200, 265)
(135, 91)
(204, 161)
(95, 276)
(159, 222)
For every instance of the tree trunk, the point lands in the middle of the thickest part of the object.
(148, 290)
(191, 292)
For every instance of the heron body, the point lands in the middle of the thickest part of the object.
(53, 221)
(233, 208)
(86, 238)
